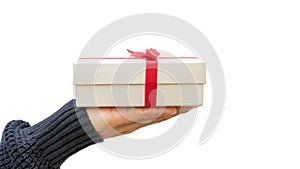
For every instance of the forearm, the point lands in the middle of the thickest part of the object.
(49, 143)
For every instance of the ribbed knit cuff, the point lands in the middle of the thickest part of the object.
(54, 139)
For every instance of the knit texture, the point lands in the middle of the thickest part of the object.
(50, 142)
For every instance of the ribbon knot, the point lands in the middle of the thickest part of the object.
(151, 54)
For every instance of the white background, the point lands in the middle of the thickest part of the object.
(257, 42)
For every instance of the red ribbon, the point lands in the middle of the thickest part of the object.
(151, 74)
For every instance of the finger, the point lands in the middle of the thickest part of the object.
(135, 126)
(114, 116)
(164, 118)
(145, 115)
(121, 116)
(184, 109)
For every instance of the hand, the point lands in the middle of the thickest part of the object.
(110, 122)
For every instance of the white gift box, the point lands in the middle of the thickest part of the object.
(122, 82)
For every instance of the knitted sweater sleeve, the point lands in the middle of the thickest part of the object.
(50, 142)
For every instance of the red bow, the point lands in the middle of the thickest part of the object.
(150, 54)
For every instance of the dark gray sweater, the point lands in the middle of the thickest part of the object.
(49, 143)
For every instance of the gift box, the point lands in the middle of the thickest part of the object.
(139, 80)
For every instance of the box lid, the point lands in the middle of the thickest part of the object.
(131, 70)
